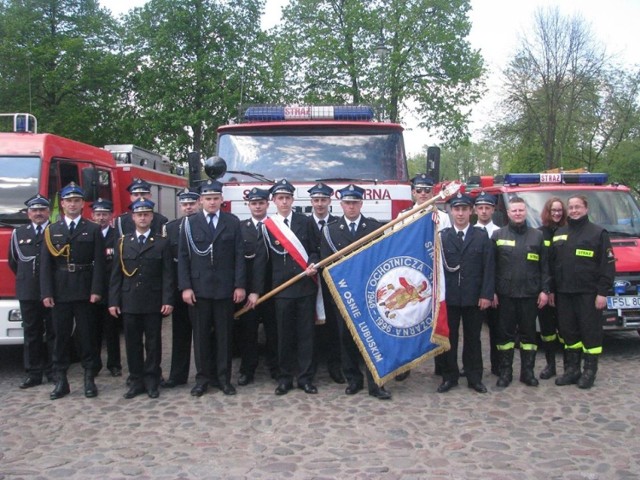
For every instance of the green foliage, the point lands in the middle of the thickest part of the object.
(59, 63)
(398, 55)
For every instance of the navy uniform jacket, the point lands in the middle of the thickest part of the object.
(27, 273)
(476, 275)
(86, 257)
(284, 267)
(341, 236)
(216, 275)
(151, 286)
(109, 246)
(172, 233)
(250, 245)
(124, 223)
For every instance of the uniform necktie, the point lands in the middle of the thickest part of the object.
(461, 236)
(321, 223)
(259, 225)
(38, 231)
(72, 227)
(212, 225)
(352, 228)
(141, 240)
(286, 222)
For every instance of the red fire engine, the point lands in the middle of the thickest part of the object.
(34, 163)
(610, 205)
(306, 145)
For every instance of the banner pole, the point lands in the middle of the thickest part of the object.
(449, 190)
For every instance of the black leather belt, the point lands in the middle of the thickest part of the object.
(75, 267)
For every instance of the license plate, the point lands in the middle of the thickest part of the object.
(623, 302)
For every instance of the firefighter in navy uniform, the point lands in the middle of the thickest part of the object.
(292, 246)
(327, 334)
(212, 277)
(583, 270)
(522, 287)
(469, 268)
(336, 236)
(139, 189)
(258, 200)
(485, 206)
(107, 327)
(181, 331)
(72, 282)
(141, 290)
(24, 261)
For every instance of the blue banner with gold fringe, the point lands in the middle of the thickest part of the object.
(390, 293)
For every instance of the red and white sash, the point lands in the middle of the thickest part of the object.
(292, 245)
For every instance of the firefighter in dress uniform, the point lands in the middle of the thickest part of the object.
(336, 236)
(181, 331)
(469, 266)
(24, 262)
(327, 334)
(583, 269)
(107, 327)
(141, 290)
(71, 283)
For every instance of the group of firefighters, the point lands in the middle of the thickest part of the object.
(202, 267)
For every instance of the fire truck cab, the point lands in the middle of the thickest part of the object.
(34, 163)
(306, 145)
(611, 206)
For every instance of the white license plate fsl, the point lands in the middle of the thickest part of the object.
(623, 302)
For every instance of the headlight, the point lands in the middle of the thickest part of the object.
(15, 315)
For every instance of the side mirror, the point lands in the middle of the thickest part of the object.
(215, 167)
(90, 183)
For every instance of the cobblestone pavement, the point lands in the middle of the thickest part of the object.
(522, 432)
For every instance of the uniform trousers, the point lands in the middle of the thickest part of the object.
(181, 335)
(248, 330)
(548, 317)
(471, 318)
(107, 328)
(492, 317)
(64, 314)
(143, 341)
(327, 335)
(216, 315)
(295, 319)
(352, 358)
(579, 320)
(38, 338)
(517, 319)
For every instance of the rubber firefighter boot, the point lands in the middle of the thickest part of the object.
(90, 389)
(550, 356)
(589, 373)
(527, 364)
(571, 373)
(505, 368)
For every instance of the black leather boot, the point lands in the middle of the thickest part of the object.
(506, 368)
(589, 373)
(550, 356)
(527, 364)
(62, 387)
(571, 373)
(90, 389)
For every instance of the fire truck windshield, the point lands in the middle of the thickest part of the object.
(18, 182)
(616, 211)
(310, 154)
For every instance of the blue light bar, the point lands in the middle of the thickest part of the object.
(274, 114)
(556, 178)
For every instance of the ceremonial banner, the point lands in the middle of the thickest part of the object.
(390, 293)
